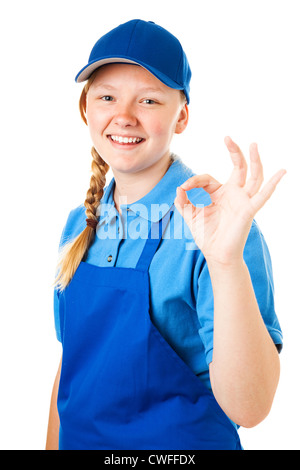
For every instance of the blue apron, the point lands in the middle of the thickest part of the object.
(122, 386)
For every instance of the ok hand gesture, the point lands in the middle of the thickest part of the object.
(220, 230)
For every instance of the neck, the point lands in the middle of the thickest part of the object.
(131, 187)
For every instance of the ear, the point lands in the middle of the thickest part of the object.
(183, 119)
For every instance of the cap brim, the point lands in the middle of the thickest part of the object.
(87, 71)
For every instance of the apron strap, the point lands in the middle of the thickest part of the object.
(155, 235)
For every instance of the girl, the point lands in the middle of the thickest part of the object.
(164, 295)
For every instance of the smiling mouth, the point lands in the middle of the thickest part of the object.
(125, 140)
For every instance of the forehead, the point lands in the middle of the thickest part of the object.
(117, 75)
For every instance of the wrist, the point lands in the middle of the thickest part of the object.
(230, 273)
(232, 265)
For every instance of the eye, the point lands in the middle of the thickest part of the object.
(107, 98)
(148, 101)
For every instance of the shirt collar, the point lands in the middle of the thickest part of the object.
(154, 205)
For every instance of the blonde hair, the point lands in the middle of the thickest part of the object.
(72, 253)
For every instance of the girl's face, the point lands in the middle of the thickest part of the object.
(132, 117)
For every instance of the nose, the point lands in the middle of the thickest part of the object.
(125, 116)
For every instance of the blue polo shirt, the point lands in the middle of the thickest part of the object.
(181, 302)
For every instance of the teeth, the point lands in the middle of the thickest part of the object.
(125, 140)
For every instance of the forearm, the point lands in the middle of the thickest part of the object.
(245, 367)
(54, 423)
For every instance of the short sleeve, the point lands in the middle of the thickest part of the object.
(258, 261)
(56, 315)
(74, 225)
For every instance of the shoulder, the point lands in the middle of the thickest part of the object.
(257, 257)
(76, 220)
(256, 243)
(74, 225)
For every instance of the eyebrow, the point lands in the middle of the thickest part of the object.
(104, 85)
(151, 89)
(146, 89)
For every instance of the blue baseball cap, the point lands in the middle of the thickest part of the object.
(146, 44)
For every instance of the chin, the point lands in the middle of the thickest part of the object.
(127, 168)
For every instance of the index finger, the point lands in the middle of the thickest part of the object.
(207, 182)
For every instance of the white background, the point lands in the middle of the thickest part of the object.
(245, 61)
